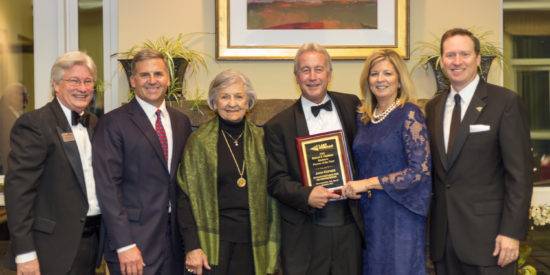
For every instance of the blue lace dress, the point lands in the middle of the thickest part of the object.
(397, 151)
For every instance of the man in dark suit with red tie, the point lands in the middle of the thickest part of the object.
(137, 148)
(318, 236)
(482, 167)
(53, 213)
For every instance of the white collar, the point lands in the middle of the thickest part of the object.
(150, 109)
(307, 104)
(67, 112)
(467, 92)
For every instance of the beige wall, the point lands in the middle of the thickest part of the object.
(140, 20)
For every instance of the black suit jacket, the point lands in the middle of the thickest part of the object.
(484, 188)
(45, 191)
(133, 183)
(285, 180)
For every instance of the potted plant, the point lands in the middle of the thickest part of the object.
(523, 268)
(431, 57)
(180, 58)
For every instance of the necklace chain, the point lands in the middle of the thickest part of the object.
(380, 117)
(235, 140)
(241, 182)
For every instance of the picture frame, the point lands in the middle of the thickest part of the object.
(235, 42)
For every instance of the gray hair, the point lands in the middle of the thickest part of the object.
(67, 61)
(15, 96)
(226, 79)
(311, 47)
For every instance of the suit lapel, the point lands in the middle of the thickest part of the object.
(176, 142)
(439, 109)
(346, 122)
(348, 128)
(139, 118)
(91, 126)
(477, 104)
(301, 124)
(68, 142)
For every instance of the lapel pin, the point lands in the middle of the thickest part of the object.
(479, 108)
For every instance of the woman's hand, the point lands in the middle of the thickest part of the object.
(354, 188)
(195, 260)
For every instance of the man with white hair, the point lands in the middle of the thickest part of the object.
(53, 212)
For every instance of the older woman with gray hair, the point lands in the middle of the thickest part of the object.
(224, 175)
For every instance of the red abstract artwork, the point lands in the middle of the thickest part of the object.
(312, 14)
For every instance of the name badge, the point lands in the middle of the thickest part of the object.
(67, 137)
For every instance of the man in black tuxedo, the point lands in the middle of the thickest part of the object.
(137, 149)
(319, 236)
(53, 213)
(482, 167)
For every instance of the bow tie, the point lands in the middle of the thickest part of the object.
(82, 119)
(316, 109)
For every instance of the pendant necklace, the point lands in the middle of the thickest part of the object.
(241, 182)
(235, 140)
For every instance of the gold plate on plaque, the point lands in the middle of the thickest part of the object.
(324, 160)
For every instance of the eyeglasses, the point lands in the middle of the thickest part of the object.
(77, 82)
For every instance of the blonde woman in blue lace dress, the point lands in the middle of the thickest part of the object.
(392, 155)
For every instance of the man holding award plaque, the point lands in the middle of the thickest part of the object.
(321, 234)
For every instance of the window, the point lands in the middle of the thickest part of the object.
(527, 40)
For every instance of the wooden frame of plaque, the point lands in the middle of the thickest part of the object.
(324, 160)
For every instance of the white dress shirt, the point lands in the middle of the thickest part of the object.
(465, 97)
(325, 121)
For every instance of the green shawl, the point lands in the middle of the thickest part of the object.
(197, 176)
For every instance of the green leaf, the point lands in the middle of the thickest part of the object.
(174, 47)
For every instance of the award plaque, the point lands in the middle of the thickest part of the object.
(324, 160)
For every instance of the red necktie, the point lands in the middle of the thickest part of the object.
(162, 135)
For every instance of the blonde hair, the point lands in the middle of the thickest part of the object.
(405, 93)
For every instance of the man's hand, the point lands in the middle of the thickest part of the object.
(28, 268)
(507, 250)
(195, 260)
(131, 262)
(320, 196)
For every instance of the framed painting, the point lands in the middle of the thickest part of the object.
(275, 29)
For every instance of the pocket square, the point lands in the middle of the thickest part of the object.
(478, 128)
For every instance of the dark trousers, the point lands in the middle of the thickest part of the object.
(86, 255)
(451, 265)
(166, 266)
(336, 250)
(234, 258)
